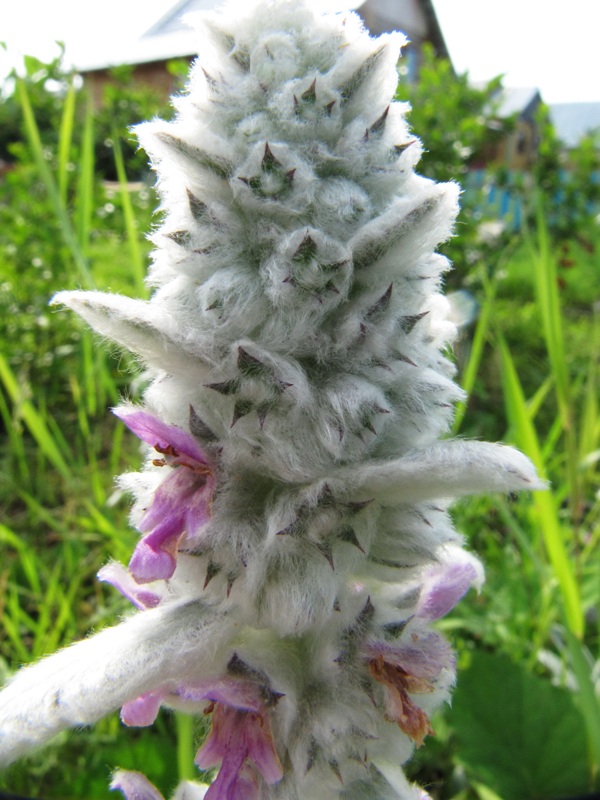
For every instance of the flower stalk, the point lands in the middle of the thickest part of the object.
(296, 544)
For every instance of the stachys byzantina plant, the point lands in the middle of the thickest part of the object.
(296, 543)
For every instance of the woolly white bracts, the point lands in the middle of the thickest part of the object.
(296, 542)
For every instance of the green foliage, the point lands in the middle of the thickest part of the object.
(86, 774)
(540, 554)
(517, 733)
(568, 179)
(126, 101)
(456, 120)
(60, 225)
(47, 85)
(459, 125)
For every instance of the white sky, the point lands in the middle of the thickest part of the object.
(535, 43)
(556, 51)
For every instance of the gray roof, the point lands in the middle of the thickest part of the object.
(521, 101)
(172, 21)
(170, 36)
(573, 120)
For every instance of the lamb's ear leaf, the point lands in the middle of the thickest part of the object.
(365, 72)
(82, 683)
(446, 469)
(408, 228)
(138, 325)
(198, 157)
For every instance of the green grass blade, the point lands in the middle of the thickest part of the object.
(39, 513)
(131, 228)
(12, 632)
(16, 446)
(10, 538)
(27, 557)
(65, 141)
(589, 428)
(85, 183)
(37, 150)
(56, 612)
(472, 368)
(549, 307)
(544, 502)
(485, 793)
(33, 420)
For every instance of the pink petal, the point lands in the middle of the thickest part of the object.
(182, 499)
(261, 749)
(225, 729)
(240, 695)
(135, 786)
(142, 711)
(119, 577)
(236, 736)
(198, 511)
(172, 497)
(443, 587)
(212, 752)
(155, 432)
(150, 563)
(243, 787)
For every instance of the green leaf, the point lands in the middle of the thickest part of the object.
(518, 734)
(545, 503)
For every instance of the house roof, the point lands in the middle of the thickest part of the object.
(522, 101)
(573, 120)
(437, 36)
(172, 21)
(170, 37)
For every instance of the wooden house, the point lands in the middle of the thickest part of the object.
(517, 150)
(170, 38)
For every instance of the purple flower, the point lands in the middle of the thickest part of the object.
(119, 577)
(182, 502)
(241, 694)
(135, 786)
(443, 586)
(413, 666)
(142, 711)
(425, 654)
(407, 669)
(238, 738)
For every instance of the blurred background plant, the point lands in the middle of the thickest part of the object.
(75, 203)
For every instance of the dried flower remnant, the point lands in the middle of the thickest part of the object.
(399, 706)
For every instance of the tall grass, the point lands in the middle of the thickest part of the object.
(60, 450)
(558, 532)
(39, 614)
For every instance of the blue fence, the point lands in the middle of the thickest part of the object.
(506, 203)
(494, 202)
